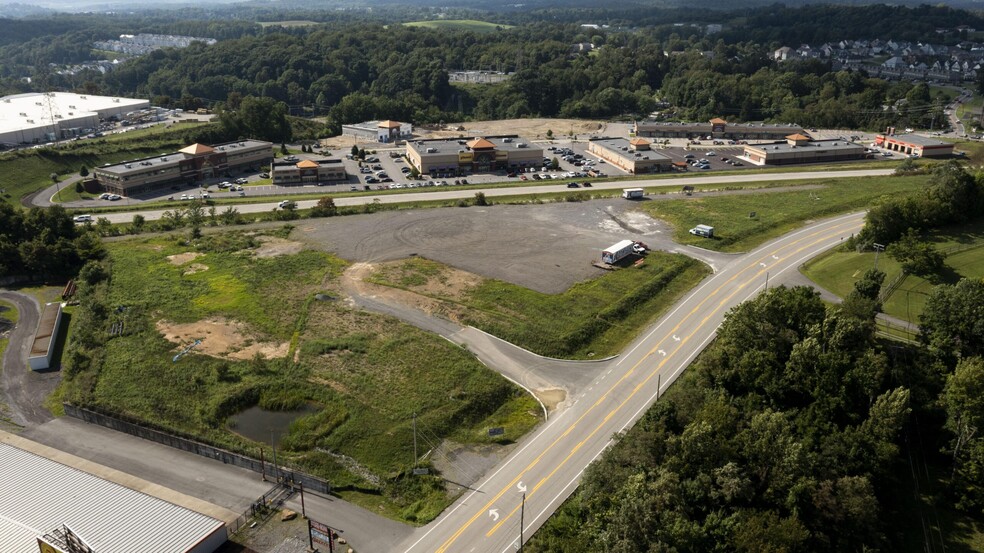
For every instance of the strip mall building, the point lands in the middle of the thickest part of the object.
(195, 163)
(715, 128)
(479, 155)
(910, 144)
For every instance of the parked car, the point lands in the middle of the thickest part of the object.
(82, 218)
(264, 175)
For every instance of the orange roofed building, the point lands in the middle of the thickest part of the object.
(193, 164)
(455, 157)
(308, 171)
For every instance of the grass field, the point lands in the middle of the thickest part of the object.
(837, 270)
(26, 171)
(592, 319)
(775, 213)
(367, 374)
(459, 25)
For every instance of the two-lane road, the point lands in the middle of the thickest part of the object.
(549, 465)
(435, 194)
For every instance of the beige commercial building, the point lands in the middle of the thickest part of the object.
(308, 171)
(478, 155)
(716, 128)
(379, 131)
(914, 144)
(635, 156)
(189, 165)
(48, 116)
(799, 148)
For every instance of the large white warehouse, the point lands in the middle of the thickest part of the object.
(47, 116)
(44, 504)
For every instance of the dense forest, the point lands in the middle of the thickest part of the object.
(356, 65)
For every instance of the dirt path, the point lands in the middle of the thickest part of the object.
(24, 390)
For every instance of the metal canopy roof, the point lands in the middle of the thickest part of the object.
(38, 495)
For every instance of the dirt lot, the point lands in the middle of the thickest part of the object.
(221, 338)
(535, 129)
(543, 247)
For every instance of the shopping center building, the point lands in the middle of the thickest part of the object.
(716, 128)
(192, 164)
(478, 155)
(634, 156)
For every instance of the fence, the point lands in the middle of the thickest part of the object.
(141, 430)
(266, 505)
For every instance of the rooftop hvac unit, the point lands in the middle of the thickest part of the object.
(71, 107)
(37, 103)
(82, 97)
(22, 114)
(242, 143)
(520, 144)
(128, 166)
(116, 100)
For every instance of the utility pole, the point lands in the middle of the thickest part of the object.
(415, 440)
(767, 280)
(878, 248)
(276, 466)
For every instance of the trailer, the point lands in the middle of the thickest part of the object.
(614, 253)
(633, 193)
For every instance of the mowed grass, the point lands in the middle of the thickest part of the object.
(26, 171)
(837, 270)
(460, 25)
(774, 213)
(592, 319)
(367, 374)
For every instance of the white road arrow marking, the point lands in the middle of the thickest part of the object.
(763, 264)
(494, 513)
(775, 257)
(676, 338)
(521, 487)
(661, 352)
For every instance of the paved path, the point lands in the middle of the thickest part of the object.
(25, 390)
(434, 194)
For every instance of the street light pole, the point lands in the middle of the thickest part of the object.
(522, 511)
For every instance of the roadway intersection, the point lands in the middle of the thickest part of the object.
(549, 464)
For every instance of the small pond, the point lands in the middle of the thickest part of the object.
(267, 427)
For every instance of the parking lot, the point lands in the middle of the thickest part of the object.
(547, 247)
(391, 162)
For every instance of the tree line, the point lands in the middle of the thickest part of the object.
(43, 244)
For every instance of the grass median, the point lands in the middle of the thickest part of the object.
(743, 221)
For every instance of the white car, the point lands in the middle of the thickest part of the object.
(114, 197)
(285, 203)
(185, 197)
(82, 218)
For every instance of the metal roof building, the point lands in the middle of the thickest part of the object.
(41, 499)
(45, 116)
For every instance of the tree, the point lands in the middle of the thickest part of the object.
(324, 208)
(78, 187)
(550, 133)
(480, 199)
(355, 151)
(138, 223)
(84, 171)
(963, 400)
(869, 285)
(554, 164)
(916, 256)
(951, 323)
(283, 149)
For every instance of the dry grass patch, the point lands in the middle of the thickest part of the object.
(180, 259)
(222, 338)
(274, 246)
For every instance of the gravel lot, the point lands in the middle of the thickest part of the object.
(546, 247)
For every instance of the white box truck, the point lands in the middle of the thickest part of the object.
(633, 193)
(703, 230)
(613, 253)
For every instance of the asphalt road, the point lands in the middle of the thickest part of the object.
(493, 192)
(549, 464)
(25, 390)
